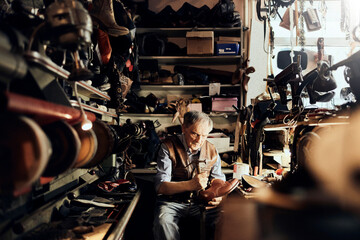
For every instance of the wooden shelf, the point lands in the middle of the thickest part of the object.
(273, 153)
(180, 87)
(181, 32)
(194, 60)
(91, 92)
(325, 121)
(144, 115)
(153, 170)
(210, 63)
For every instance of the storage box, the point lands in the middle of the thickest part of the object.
(220, 141)
(229, 39)
(227, 48)
(200, 43)
(223, 104)
(195, 107)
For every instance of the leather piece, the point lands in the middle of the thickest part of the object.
(65, 143)
(24, 152)
(88, 147)
(105, 142)
(109, 186)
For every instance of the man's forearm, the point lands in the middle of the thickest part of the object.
(170, 188)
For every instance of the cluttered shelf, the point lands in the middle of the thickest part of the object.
(120, 227)
(211, 114)
(198, 60)
(91, 92)
(180, 32)
(152, 170)
(321, 121)
(105, 216)
(160, 87)
(74, 103)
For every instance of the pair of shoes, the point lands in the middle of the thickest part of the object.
(218, 188)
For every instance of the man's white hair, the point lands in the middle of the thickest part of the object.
(193, 117)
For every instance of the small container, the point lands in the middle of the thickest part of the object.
(240, 169)
(224, 104)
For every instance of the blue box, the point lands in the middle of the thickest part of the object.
(227, 48)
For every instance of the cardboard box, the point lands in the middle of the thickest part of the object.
(220, 141)
(227, 48)
(223, 104)
(229, 39)
(200, 43)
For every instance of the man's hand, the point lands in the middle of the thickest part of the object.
(197, 183)
(200, 181)
(215, 201)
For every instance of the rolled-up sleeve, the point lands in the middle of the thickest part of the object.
(216, 170)
(164, 167)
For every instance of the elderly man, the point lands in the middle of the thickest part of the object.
(186, 164)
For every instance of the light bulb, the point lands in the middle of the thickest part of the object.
(86, 124)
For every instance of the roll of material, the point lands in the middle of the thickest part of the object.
(88, 147)
(24, 152)
(66, 146)
(42, 110)
(105, 142)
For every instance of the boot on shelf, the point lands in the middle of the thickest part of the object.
(102, 13)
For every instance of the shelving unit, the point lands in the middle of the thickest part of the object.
(180, 32)
(163, 91)
(193, 60)
(212, 114)
(222, 120)
(198, 60)
(87, 92)
(177, 87)
(92, 109)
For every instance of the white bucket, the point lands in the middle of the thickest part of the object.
(240, 169)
